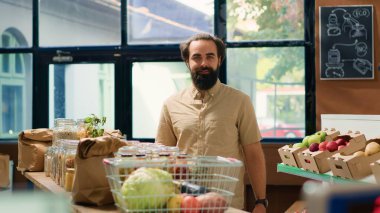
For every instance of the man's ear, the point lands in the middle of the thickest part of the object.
(187, 64)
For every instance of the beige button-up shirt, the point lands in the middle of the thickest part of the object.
(216, 125)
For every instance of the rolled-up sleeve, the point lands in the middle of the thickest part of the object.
(249, 131)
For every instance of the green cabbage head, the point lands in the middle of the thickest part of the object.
(148, 188)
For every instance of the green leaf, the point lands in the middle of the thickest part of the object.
(100, 132)
(88, 120)
(94, 124)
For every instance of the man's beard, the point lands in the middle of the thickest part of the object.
(205, 81)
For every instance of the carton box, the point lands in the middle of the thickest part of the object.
(353, 167)
(289, 156)
(331, 134)
(317, 161)
(375, 167)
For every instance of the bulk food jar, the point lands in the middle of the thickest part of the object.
(64, 129)
(69, 149)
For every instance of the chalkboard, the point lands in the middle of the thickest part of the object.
(346, 42)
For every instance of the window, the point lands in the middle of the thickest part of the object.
(78, 90)
(17, 28)
(79, 23)
(120, 59)
(265, 20)
(15, 94)
(168, 21)
(266, 66)
(153, 82)
(15, 86)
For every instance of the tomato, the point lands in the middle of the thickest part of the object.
(190, 204)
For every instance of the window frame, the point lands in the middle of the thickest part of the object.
(124, 55)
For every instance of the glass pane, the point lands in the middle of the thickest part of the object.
(13, 63)
(274, 78)
(249, 20)
(16, 30)
(15, 94)
(78, 90)
(12, 95)
(168, 21)
(79, 23)
(153, 83)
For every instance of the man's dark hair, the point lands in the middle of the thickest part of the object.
(221, 48)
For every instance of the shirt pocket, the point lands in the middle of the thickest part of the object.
(223, 130)
(185, 127)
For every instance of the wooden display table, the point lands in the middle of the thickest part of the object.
(47, 184)
(297, 206)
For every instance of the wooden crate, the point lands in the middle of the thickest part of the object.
(289, 156)
(317, 161)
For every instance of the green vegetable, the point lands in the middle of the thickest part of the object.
(94, 125)
(148, 188)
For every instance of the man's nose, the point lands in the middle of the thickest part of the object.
(204, 62)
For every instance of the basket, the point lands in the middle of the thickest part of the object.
(186, 177)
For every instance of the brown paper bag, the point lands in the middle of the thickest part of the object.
(4, 171)
(32, 145)
(90, 181)
(113, 133)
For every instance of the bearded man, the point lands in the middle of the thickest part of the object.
(212, 119)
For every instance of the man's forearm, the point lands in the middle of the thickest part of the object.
(255, 164)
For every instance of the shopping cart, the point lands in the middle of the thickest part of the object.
(163, 184)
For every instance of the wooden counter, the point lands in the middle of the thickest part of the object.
(47, 184)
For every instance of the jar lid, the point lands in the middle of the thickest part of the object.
(63, 122)
(70, 170)
(69, 143)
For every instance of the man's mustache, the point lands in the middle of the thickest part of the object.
(209, 69)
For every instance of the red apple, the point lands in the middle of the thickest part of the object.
(332, 146)
(190, 204)
(340, 141)
(322, 146)
(314, 147)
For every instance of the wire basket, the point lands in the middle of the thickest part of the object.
(173, 184)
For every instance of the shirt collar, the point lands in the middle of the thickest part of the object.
(196, 95)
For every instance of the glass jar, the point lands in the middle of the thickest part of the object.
(127, 151)
(169, 151)
(48, 160)
(58, 161)
(69, 179)
(64, 128)
(54, 158)
(69, 149)
(81, 129)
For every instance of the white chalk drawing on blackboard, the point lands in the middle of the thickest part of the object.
(361, 65)
(361, 49)
(333, 28)
(359, 12)
(335, 63)
(350, 24)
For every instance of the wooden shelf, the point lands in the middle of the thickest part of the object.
(326, 177)
(44, 183)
